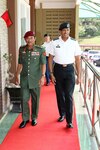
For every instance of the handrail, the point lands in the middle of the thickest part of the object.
(90, 46)
(90, 81)
(97, 74)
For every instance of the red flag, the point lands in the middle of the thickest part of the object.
(6, 18)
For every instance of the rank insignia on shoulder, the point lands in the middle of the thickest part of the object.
(73, 39)
(57, 46)
(37, 46)
(55, 39)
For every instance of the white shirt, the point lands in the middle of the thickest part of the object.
(64, 52)
(47, 46)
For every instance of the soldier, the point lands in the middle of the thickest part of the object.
(31, 67)
(46, 44)
(65, 52)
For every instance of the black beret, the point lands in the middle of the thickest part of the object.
(64, 25)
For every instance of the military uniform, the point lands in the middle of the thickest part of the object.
(30, 75)
(64, 53)
(47, 46)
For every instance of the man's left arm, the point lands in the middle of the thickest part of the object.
(43, 70)
(43, 67)
(78, 68)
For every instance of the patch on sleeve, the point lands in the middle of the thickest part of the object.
(44, 53)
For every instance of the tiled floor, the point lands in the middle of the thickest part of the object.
(87, 142)
(6, 123)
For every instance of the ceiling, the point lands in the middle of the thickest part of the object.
(56, 3)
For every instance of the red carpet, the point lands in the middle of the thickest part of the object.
(48, 134)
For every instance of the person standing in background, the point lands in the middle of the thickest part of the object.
(65, 51)
(46, 45)
(31, 67)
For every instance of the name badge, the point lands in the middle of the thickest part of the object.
(57, 46)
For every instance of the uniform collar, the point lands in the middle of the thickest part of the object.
(46, 42)
(29, 49)
(62, 40)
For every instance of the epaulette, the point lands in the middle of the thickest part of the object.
(39, 46)
(55, 39)
(73, 39)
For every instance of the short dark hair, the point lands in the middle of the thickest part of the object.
(46, 34)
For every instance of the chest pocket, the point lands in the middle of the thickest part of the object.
(58, 51)
(24, 57)
(35, 56)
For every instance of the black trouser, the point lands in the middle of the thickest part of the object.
(65, 83)
(47, 72)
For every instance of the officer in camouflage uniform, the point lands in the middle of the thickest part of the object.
(31, 67)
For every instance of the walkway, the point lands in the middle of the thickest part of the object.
(86, 142)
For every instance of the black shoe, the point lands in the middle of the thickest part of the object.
(60, 119)
(47, 84)
(23, 124)
(34, 122)
(69, 125)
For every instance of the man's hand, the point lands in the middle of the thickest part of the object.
(53, 79)
(78, 80)
(42, 80)
(19, 68)
(17, 80)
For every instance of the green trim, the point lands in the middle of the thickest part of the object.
(6, 124)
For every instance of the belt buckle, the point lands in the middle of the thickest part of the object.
(64, 65)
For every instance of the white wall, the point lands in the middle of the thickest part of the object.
(23, 13)
(55, 4)
(3, 49)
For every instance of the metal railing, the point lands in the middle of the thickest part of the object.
(90, 84)
(90, 46)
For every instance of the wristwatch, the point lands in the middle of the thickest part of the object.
(43, 75)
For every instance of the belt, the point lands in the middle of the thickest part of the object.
(64, 65)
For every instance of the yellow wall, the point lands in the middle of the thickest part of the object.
(48, 21)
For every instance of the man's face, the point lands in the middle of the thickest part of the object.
(47, 38)
(30, 40)
(65, 32)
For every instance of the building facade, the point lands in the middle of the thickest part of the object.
(10, 40)
(41, 16)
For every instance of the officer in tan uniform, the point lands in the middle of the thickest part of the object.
(31, 67)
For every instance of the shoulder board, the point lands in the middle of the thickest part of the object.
(38, 46)
(73, 39)
(55, 39)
